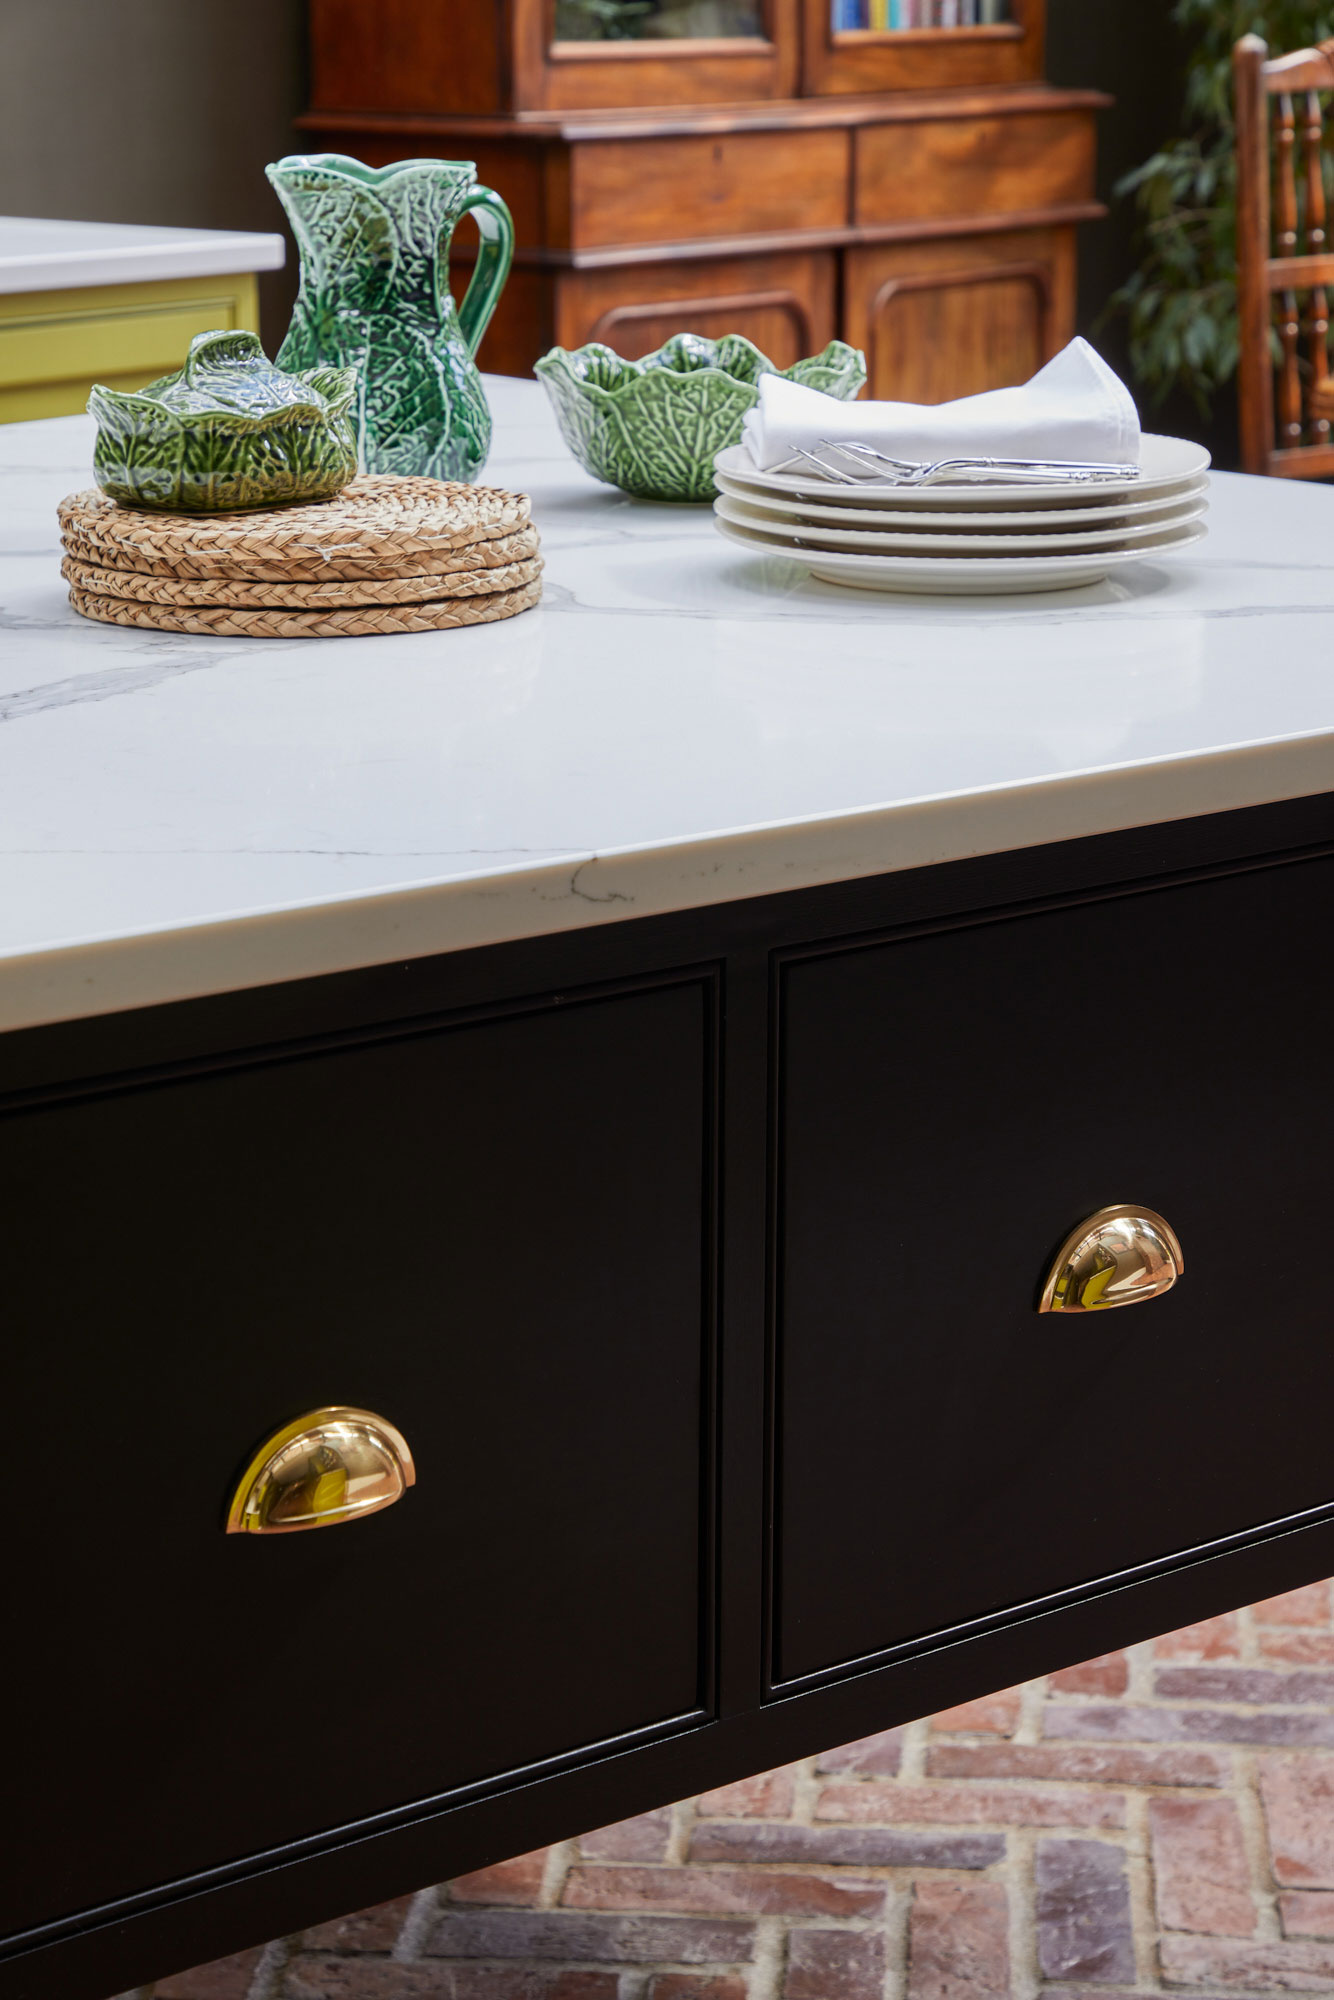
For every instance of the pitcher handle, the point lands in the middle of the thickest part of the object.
(495, 254)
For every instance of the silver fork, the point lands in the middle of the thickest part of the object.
(910, 472)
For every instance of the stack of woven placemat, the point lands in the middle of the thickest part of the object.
(384, 555)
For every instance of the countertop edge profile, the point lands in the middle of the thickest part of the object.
(578, 890)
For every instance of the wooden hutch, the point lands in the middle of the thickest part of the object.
(820, 168)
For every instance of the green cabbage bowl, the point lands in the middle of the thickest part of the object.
(653, 427)
(227, 431)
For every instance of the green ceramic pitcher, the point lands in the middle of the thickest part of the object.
(375, 296)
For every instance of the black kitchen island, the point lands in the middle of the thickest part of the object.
(635, 1052)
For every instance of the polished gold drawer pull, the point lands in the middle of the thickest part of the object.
(329, 1466)
(1118, 1257)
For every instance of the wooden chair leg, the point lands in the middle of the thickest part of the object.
(1255, 372)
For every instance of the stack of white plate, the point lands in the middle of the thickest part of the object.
(970, 538)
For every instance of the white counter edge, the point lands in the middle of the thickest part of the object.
(141, 263)
(385, 926)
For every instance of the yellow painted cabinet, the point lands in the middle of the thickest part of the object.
(55, 344)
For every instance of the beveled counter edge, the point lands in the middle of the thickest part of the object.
(232, 252)
(115, 973)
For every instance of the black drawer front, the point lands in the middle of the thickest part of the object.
(492, 1234)
(949, 1106)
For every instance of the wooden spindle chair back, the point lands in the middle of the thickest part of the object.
(1283, 260)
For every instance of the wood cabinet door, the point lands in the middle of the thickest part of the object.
(492, 1234)
(950, 1105)
(785, 303)
(959, 315)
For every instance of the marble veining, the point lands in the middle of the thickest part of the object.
(679, 723)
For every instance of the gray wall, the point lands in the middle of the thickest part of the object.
(151, 111)
(167, 110)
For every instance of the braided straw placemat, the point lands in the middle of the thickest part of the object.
(378, 526)
(351, 622)
(195, 592)
(168, 587)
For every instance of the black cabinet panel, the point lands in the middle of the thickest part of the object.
(950, 1104)
(492, 1234)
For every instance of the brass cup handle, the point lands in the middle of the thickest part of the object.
(331, 1465)
(1120, 1256)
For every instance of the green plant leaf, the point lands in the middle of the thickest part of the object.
(1180, 306)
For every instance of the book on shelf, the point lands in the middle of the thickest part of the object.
(889, 15)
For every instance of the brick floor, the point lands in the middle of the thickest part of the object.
(1157, 1821)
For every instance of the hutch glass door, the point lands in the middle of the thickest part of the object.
(598, 54)
(873, 45)
(658, 20)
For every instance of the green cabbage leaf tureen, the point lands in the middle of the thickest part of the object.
(653, 427)
(227, 431)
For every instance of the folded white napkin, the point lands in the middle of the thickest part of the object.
(1076, 408)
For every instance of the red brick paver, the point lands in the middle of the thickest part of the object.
(1159, 1821)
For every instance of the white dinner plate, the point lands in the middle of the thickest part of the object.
(964, 519)
(1164, 463)
(966, 576)
(788, 534)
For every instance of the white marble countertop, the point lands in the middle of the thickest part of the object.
(677, 724)
(40, 256)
